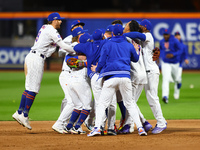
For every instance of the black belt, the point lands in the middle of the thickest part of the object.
(148, 71)
(41, 55)
(67, 70)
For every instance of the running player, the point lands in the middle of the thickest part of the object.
(45, 44)
(184, 58)
(170, 51)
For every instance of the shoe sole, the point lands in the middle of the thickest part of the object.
(17, 120)
(57, 130)
(74, 132)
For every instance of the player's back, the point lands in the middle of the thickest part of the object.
(119, 54)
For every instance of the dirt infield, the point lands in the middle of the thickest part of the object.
(180, 134)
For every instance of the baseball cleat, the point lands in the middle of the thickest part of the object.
(95, 131)
(67, 131)
(157, 130)
(165, 99)
(16, 116)
(125, 129)
(57, 129)
(25, 122)
(147, 126)
(89, 127)
(77, 131)
(111, 132)
(141, 131)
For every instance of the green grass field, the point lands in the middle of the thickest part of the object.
(47, 103)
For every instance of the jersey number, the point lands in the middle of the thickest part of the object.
(38, 36)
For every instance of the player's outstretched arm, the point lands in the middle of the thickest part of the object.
(68, 48)
(134, 35)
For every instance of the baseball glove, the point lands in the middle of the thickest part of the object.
(156, 53)
(76, 63)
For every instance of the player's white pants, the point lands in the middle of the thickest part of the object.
(136, 92)
(35, 69)
(97, 84)
(110, 87)
(168, 70)
(67, 105)
(151, 90)
(64, 81)
(176, 90)
(80, 92)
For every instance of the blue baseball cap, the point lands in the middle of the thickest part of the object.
(166, 31)
(109, 28)
(77, 22)
(85, 38)
(146, 23)
(54, 16)
(118, 29)
(98, 34)
(177, 33)
(78, 31)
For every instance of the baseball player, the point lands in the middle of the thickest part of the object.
(138, 78)
(170, 51)
(65, 79)
(183, 58)
(45, 44)
(62, 53)
(152, 70)
(115, 64)
(80, 92)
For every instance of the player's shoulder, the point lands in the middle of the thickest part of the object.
(68, 39)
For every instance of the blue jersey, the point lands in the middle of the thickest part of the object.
(172, 46)
(116, 56)
(184, 54)
(92, 51)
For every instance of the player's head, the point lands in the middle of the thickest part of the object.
(55, 20)
(76, 33)
(108, 32)
(117, 22)
(97, 35)
(177, 35)
(76, 24)
(131, 26)
(145, 25)
(84, 38)
(117, 30)
(166, 34)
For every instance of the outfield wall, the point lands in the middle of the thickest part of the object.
(188, 24)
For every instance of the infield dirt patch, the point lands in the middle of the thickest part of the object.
(180, 134)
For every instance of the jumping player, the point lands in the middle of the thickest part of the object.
(45, 44)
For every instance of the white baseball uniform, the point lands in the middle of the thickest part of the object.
(151, 88)
(43, 47)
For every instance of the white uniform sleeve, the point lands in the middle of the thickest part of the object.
(68, 48)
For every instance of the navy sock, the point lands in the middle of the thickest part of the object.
(179, 85)
(29, 101)
(22, 103)
(82, 117)
(122, 109)
(74, 117)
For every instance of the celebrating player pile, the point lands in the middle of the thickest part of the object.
(116, 65)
